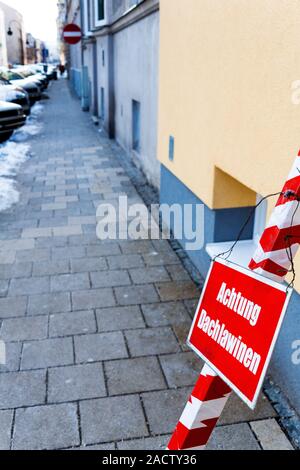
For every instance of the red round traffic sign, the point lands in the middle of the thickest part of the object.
(72, 34)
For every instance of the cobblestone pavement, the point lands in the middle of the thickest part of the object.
(95, 331)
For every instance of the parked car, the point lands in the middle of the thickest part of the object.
(28, 73)
(16, 79)
(13, 94)
(46, 69)
(11, 118)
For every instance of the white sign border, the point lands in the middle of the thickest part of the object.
(254, 275)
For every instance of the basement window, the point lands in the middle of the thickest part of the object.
(244, 249)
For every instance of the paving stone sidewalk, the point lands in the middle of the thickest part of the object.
(95, 331)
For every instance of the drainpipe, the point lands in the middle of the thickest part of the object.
(85, 105)
(111, 88)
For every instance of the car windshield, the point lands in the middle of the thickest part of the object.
(9, 75)
(25, 73)
(3, 81)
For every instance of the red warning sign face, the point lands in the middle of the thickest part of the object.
(237, 323)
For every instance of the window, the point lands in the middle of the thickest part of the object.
(136, 126)
(244, 249)
(100, 12)
(87, 16)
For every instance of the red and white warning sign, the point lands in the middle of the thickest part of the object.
(236, 326)
(72, 34)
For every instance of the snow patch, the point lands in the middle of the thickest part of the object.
(37, 109)
(8, 194)
(32, 126)
(12, 156)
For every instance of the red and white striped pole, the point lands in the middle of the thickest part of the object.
(272, 259)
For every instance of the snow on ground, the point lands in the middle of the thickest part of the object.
(32, 126)
(13, 154)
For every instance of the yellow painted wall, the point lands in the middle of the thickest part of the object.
(226, 71)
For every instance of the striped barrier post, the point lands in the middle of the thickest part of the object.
(272, 259)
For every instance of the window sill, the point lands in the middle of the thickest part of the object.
(241, 254)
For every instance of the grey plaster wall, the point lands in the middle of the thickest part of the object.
(136, 62)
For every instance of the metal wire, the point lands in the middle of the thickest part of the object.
(252, 213)
(288, 195)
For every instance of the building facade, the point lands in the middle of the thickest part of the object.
(207, 114)
(34, 50)
(115, 72)
(16, 41)
(61, 21)
(3, 48)
(229, 130)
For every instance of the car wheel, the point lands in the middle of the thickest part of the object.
(5, 136)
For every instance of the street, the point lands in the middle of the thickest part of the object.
(95, 330)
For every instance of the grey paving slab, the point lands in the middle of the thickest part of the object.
(16, 270)
(101, 447)
(151, 341)
(181, 369)
(72, 323)
(70, 282)
(24, 329)
(178, 273)
(6, 419)
(13, 357)
(110, 279)
(160, 259)
(37, 254)
(191, 306)
(119, 318)
(125, 261)
(88, 265)
(51, 268)
(236, 411)
(134, 376)
(19, 389)
(68, 252)
(49, 303)
(47, 353)
(179, 290)
(136, 247)
(13, 307)
(148, 275)
(270, 435)
(181, 331)
(100, 347)
(105, 249)
(164, 314)
(169, 402)
(123, 418)
(148, 443)
(29, 286)
(134, 295)
(233, 437)
(46, 428)
(96, 298)
(3, 288)
(66, 384)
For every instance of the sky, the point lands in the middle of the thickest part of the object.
(39, 17)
